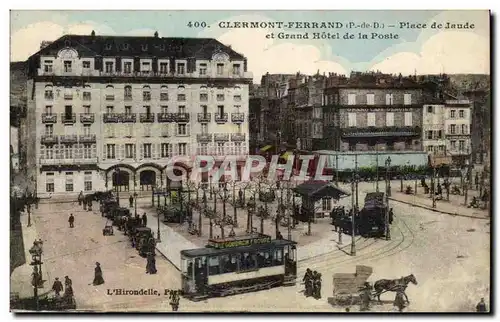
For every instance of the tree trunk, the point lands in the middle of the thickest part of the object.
(222, 231)
(276, 223)
(235, 220)
(309, 224)
(211, 233)
(262, 225)
(200, 222)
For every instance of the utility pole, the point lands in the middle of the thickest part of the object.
(356, 178)
(337, 167)
(354, 211)
(376, 162)
(388, 187)
(433, 188)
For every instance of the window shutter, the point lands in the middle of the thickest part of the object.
(94, 151)
(58, 151)
(176, 149)
(188, 129)
(153, 151)
(141, 151)
(155, 64)
(158, 151)
(122, 151)
(42, 152)
(104, 152)
(118, 66)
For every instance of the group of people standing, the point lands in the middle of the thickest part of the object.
(57, 287)
(312, 281)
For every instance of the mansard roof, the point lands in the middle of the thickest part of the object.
(135, 46)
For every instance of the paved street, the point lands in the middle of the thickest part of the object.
(449, 255)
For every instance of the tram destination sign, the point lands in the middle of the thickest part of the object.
(238, 242)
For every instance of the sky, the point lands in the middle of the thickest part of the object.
(416, 50)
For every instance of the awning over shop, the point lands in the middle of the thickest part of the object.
(316, 190)
(266, 148)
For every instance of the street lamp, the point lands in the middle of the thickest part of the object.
(135, 198)
(388, 190)
(117, 173)
(37, 281)
(354, 185)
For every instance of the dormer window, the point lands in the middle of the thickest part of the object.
(203, 69)
(236, 69)
(163, 68)
(162, 47)
(47, 66)
(146, 67)
(181, 68)
(108, 46)
(86, 64)
(109, 67)
(144, 47)
(67, 43)
(220, 69)
(125, 46)
(127, 67)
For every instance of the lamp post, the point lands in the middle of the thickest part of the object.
(158, 224)
(388, 189)
(376, 164)
(37, 281)
(117, 173)
(28, 208)
(235, 219)
(210, 186)
(354, 211)
(135, 199)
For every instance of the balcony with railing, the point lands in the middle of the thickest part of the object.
(68, 97)
(49, 139)
(204, 137)
(182, 117)
(204, 117)
(49, 118)
(65, 161)
(384, 131)
(238, 137)
(166, 117)
(147, 74)
(237, 117)
(68, 118)
(68, 138)
(87, 138)
(111, 117)
(110, 97)
(87, 118)
(147, 117)
(221, 137)
(221, 117)
(128, 118)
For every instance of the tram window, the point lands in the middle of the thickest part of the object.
(248, 261)
(286, 253)
(278, 258)
(265, 259)
(227, 263)
(213, 265)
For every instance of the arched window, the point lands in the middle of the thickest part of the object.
(203, 88)
(181, 87)
(127, 93)
(110, 93)
(87, 86)
(237, 88)
(49, 92)
(164, 93)
(146, 93)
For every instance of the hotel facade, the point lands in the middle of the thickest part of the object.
(108, 112)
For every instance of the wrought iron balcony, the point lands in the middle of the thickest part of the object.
(68, 97)
(221, 118)
(182, 117)
(49, 118)
(49, 139)
(87, 138)
(68, 138)
(87, 118)
(381, 131)
(238, 137)
(166, 117)
(111, 118)
(128, 118)
(204, 137)
(237, 117)
(110, 97)
(224, 137)
(204, 117)
(68, 118)
(147, 117)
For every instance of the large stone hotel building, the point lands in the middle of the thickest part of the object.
(110, 112)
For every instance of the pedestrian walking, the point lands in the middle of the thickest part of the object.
(80, 198)
(174, 300)
(68, 287)
(317, 286)
(98, 279)
(57, 287)
(481, 306)
(152, 265)
(307, 278)
(131, 201)
(71, 221)
(144, 220)
(399, 301)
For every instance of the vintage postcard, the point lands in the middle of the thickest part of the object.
(250, 161)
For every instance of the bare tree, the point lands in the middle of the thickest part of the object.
(211, 215)
(263, 214)
(278, 217)
(222, 222)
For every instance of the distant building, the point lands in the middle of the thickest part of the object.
(457, 123)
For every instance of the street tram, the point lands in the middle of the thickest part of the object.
(238, 265)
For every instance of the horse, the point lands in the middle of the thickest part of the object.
(394, 285)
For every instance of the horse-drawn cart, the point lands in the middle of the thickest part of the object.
(347, 286)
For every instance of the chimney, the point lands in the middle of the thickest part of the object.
(156, 34)
(44, 44)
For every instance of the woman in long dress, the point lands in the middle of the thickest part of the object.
(98, 279)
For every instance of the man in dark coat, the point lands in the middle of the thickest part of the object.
(71, 221)
(151, 263)
(306, 280)
(80, 198)
(481, 306)
(240, 196)
(144, 220)
(391, 216)
(317, 286)
(68, 287)
(57, 287)
(131, 201)
(98, 279)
